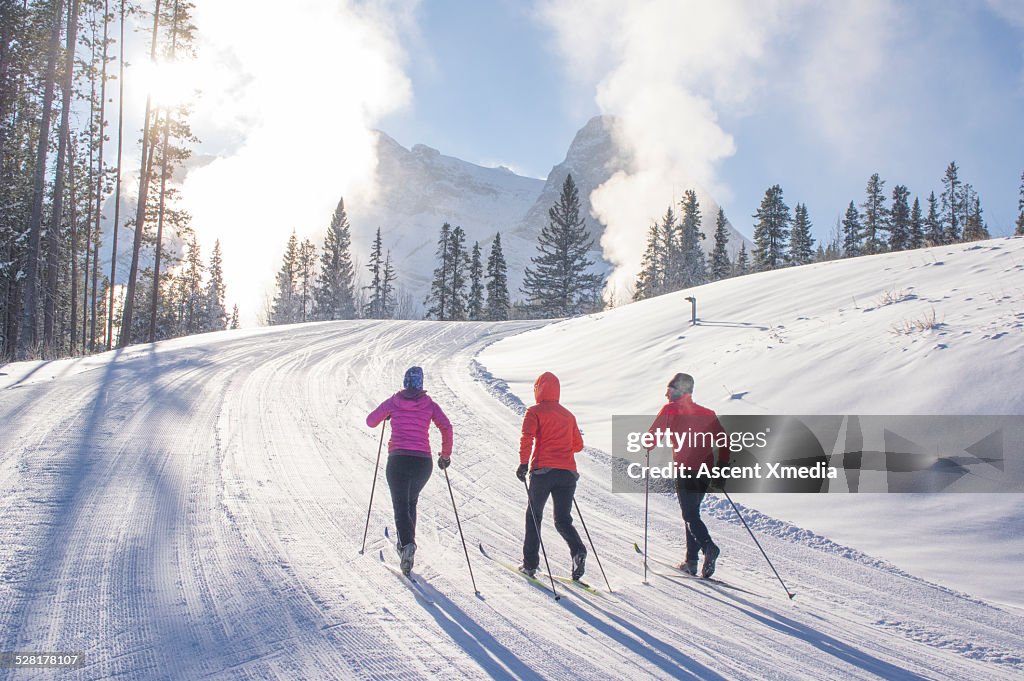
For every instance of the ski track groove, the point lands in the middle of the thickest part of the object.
(196, 513)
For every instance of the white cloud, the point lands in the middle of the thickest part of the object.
(673, 70)
(847, 51)
(291, 96)
(665, 68)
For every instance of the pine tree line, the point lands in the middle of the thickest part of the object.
(461, 288)
(464, 288)
(312, 287)
(673, 261)
(60, 164)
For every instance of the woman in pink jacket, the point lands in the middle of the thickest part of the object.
(411, 412)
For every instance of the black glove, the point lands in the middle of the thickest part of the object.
(443, 462)
(522, 471)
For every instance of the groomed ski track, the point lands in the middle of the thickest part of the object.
(194, 510)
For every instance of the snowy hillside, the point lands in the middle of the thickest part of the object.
(195, 508)
(830, 338)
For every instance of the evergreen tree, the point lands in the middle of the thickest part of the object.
(476, 285)
(559, 283)
(285, 305)
(771, 232)
(662, 268)
(458, 264)
(973, 223)
(498, 306)
(934, 234)
(720, 265)
(952, 205)
(234, 324)
(650, 280)
(876, 216)
(742, 264)
(900, 227)
(439, 300)
(307, 279)
(1020, 208)
(387, 289)
(694, 272)
(669, 255)
(852, 233)
(376, 303)
(334, 296)
(216, 314)
(801, 243)
(193, 298)
(916, 226)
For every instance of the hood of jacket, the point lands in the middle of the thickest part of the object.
(547, 388)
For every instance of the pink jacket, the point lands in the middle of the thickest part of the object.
(411, 412)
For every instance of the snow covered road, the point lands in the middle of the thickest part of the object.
(195, 509)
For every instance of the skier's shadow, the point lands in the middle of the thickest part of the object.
(677, 665)
(485, 649)
(498, 661)
(823, 642)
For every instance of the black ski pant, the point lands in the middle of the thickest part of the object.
(407, 475)
(690, 492)
(560, 485)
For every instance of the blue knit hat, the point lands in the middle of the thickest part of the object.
(413, 378)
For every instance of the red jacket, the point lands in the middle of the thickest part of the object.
(698, 426)
(549, 429)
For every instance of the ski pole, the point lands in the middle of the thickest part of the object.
(459, 524)
(591, 544)
(373, 488)
(791, 595)
(536, 525)
(647, 484)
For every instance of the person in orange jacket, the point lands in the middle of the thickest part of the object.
(684, 416)
(547, 451)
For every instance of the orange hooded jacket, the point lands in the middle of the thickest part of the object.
(550, 432)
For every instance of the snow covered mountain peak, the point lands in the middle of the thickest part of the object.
(421, 188)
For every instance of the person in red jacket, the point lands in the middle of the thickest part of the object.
(700, 426)
(547, 447)
(411, 411)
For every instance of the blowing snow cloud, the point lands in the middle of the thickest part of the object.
(296, 95)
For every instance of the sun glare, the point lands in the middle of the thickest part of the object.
(169, 84)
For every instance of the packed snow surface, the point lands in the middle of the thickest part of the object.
(194, 509)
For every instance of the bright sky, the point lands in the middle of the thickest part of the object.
(735, 95)
(836, 94)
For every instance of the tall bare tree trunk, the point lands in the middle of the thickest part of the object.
(27, 332)
(57, 215)
(163, 191)
(140, 211)
(99, 176)
(74, 255)
(117, 184)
